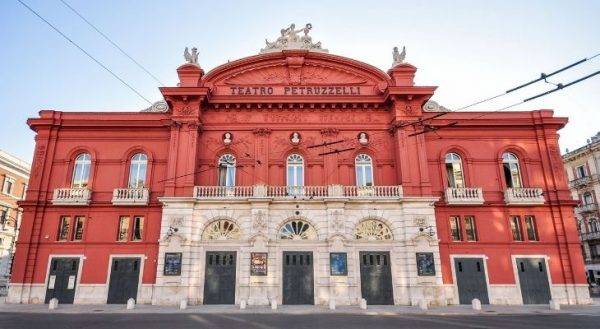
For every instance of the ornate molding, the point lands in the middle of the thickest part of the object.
(261, 131)
(330, 132)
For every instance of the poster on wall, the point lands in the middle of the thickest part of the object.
(425, 264)
(258, 263)
(172, 263)
(338, 263)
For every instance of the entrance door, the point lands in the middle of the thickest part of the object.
(124, 279)
(219, 279)
(470, 279)
(62, 280)
(533, 277)
(376, 277)
(298, 282)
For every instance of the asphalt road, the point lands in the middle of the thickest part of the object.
(291, 321)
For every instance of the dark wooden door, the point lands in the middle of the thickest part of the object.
(62, 280)
(124, 280)
(298, 280)
(533, 278)
(471, 280)
(219, 279)
(376, 277)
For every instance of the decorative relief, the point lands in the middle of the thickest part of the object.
(259, 221)
(372, 230)
(290, 39)
(261, 131)
(297, 229)
(336, 223)
(330, 132)
(222, 229)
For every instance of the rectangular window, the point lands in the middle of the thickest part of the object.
(24, 194)
(515, 227)
(531, 228)
(63, 228)
(3, 216)
(455, 228)
(78, 228)
(138, 228)
(123, 228)
(9, 183)
(581, 171)
(470, 230)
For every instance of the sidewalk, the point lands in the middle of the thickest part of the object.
(593, 310)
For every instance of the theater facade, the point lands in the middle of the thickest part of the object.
(298, 177)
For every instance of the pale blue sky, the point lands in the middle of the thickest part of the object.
(470, 49)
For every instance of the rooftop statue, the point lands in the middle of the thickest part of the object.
(191, 58)
(290, 38)
(398, 56)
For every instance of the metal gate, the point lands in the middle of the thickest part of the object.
(376, 277)
(298, 282)
(470, 279)
(219, 279)
(533, 278)
(62, 280)
(124, 280)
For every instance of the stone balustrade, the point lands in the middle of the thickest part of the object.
(464, 195)
(130, 196)
(581, 181)
(590, 236)
(267, 191)
(524, 195)
(72, 196)
(585, 208)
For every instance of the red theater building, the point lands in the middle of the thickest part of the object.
(299, 177)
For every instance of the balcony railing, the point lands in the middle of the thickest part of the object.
(524, 195)
(130, 196)
(581, 181)
(286, 192)
(590, 236)
(586, 208)
(464, 195)
(76, 196)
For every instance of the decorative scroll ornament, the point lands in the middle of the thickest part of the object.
(222, 229)
(297, 229)
(398, 56)
(159, 107)
(433, 106)
(290, 39)
(372, 230)
(191, 58)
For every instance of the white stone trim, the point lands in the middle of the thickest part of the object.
(142, 258)
(455, 283)
(516, 273)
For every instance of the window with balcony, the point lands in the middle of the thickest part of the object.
(226, 170)
(531, 228)
(4, 215)
(581, 172)
(81, 170)
(63, 228)
(295, 170)
(137, 171)
(512, 171)
(454, 171)
(588, 198)
(455, 229)
(8, 185)
(364, 170)
(594, 225)
(515, 227)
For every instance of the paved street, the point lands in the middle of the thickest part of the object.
(292, 321)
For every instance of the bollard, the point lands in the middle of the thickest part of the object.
(53, 304)
(554, 305)
(183, 304)
(130, 304)
(332, 304)
(363, 303)
(273, 304)
(243, 304)
(423, 304)
(476, 304)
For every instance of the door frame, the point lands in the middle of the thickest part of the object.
(485, 268)
(546, 259)
(81, 258)
(214, 247)
(387, 246)
(111, 257)
(297, 246)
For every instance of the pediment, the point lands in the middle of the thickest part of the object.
(310, 74)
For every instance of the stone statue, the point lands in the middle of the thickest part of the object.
(290, 39)
(191, 58)
(295, 138)
(363, 139)
(227, 138)
(398, 56)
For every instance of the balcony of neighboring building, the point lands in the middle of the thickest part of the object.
(131, 196)
(524, 196)
(581, 182)
(587, 208)
(72, 196)
(292, 192)
(590, 236)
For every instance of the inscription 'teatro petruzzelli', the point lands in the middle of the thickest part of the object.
(295, 90)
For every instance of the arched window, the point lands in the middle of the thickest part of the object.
(137, 171)
(512, 171)
(295, 170)
(227, 170)
(454, 171)
(364, 170)
(587, 198)
(297, 229)
(222, 229)
(81, 170)
(594, 225)
(372, 230)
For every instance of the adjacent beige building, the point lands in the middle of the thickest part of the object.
(583, 170)
(14, 176)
